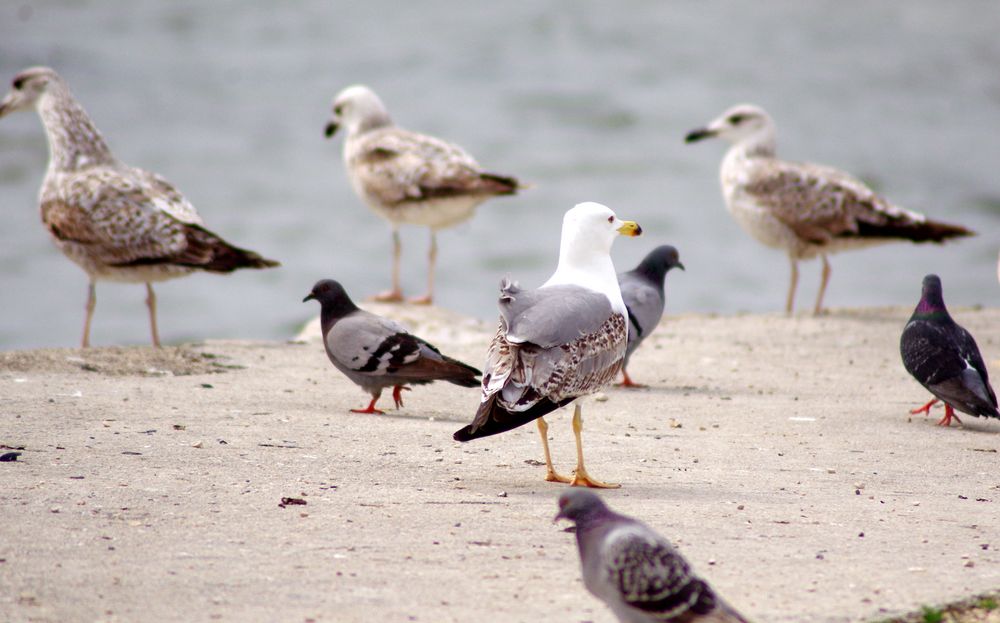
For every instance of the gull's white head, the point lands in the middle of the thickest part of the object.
(590, 228)
(743, 123)
(588, 231)
(359, 109)
(28, 87)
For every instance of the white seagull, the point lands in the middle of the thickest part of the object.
(562, 341)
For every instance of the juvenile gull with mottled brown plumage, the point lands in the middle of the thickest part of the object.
(805, 209)
(116, 222)
(559, 342)
(406, 177)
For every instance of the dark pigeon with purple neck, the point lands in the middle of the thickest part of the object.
(635, 571)
(642, 292)
(944, 358)
(376, 352)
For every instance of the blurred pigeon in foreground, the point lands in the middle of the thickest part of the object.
(376, 352)
(642, 291)
(634, 570)
(944, 358)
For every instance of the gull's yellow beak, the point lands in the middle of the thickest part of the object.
(630, 228)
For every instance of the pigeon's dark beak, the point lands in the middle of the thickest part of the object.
(696, 135)
(331, 129)
(309, 297)
(681, 266)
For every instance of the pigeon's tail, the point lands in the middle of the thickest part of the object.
(911, 229)
(459, 373)
(501, 184)
(492, 418)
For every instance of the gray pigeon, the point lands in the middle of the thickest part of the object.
(642, 291)
(376, 352)
(944, 358)
(634, 570)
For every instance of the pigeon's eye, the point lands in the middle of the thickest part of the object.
(611, 219)
(737, 119)
(18, 83)
(339, 108)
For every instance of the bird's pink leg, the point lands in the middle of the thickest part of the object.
(371, 407)
(91, 303)
(926, 409)
(428, 298)
(949, 415)
(151, 304)
(397, 394)
(395, 295)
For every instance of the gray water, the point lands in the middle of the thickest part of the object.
(587, 100)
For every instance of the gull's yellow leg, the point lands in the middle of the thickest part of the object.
(550, 473)
(582, 478)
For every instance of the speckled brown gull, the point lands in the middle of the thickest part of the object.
(116, 222)
(558, 342)
(805, 209)
(406, 177)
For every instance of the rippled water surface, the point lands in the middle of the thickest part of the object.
(587, 100)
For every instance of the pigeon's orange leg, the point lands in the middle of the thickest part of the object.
(949, 415)
(582, 478)
(926, 409)
(370, 408)
(397, 394)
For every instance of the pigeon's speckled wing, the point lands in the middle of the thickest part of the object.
(651, 576)
(377, 351)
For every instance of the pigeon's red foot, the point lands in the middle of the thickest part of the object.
(389, 296)
(926, 409)
(949, 415)
(397, 394)
(370, 408)
(627, 381)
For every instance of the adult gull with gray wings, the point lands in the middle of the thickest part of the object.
(559, 342)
